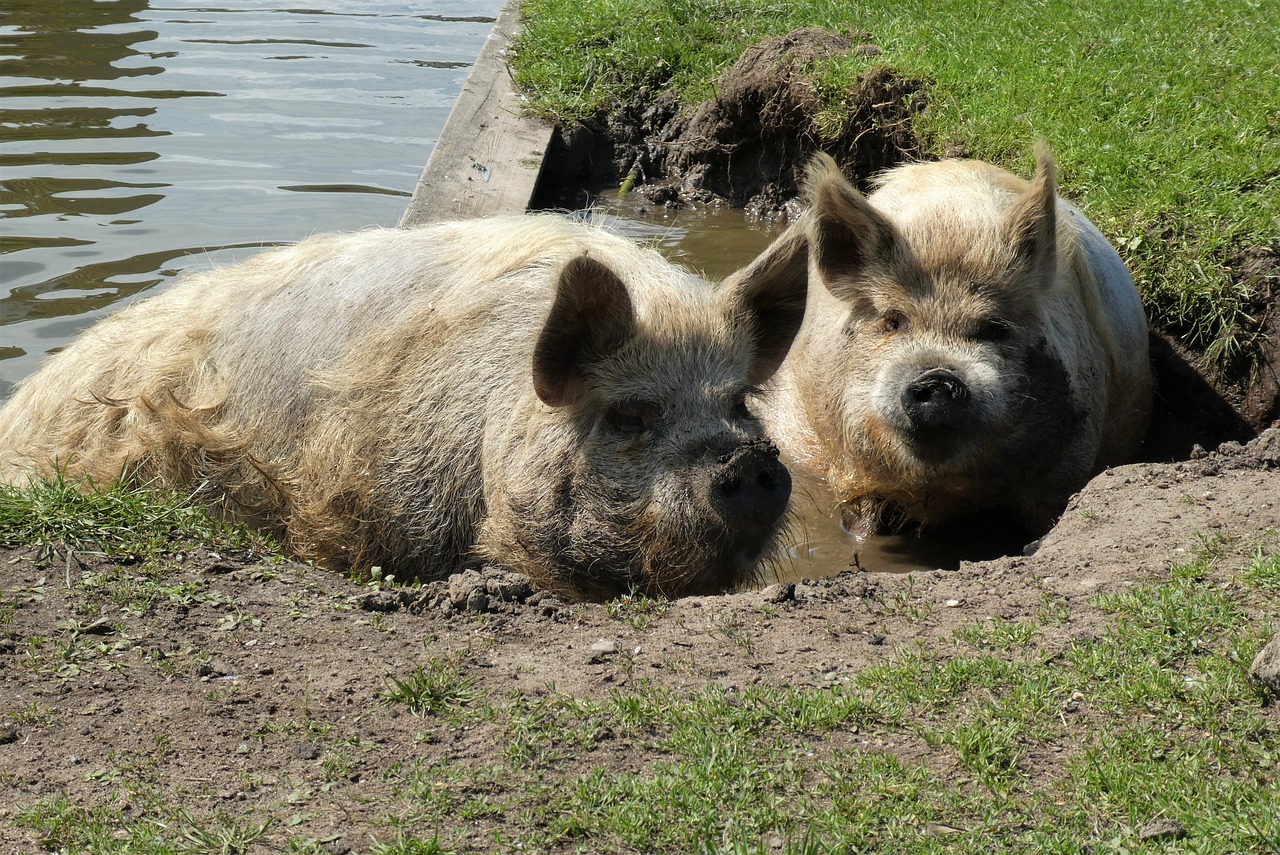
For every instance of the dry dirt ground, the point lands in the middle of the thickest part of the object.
(253, 689)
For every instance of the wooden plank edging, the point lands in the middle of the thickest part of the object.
(489, 153)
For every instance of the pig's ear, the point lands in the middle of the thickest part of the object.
(590, 318)
(846, 234)
(768, 295)
(1031, 225)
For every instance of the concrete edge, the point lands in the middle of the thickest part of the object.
(489, 154)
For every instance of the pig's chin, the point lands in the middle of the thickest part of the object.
(725, 561)
(939, 447)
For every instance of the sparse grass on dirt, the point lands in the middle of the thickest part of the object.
(262, 707)
(1164, 117)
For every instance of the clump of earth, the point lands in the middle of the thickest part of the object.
(747, 146)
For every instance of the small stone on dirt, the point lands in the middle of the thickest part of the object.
(380, 601)
(783, 592)
(8, 734)
(213, 668)
(602, 649)
(306, 751)
(1162, 829)
(1266, 665)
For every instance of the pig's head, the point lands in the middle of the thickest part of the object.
(644, 470)
(931, 361)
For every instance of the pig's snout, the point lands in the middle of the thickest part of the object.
(751, 485)
(938, 398)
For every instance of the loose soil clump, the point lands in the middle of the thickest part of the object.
(748, 145)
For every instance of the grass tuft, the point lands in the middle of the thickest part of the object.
(435, 687)
(125, 522)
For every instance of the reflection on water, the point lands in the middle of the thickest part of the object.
(715, 241)
(718, 241)
(139, 140)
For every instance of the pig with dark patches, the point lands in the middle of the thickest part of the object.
(526, 391)
(972, 343)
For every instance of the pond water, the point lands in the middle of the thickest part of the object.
(139, 140)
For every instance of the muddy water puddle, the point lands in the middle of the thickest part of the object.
(716, 241)
(819, 545)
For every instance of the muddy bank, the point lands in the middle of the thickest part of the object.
(747, 147)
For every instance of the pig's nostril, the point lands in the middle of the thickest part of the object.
(940, 383)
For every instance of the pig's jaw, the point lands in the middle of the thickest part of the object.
(647, 548)
(724, 559)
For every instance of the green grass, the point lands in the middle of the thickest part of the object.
(435, 687)
(138, 528)
(1163, 115)
(56, 515)
(107, 830)
(931, 752)
(638, 610)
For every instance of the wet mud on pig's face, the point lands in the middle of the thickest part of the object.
(665, 481)
(680, 472)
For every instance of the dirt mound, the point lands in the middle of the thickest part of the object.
(1201, 401)
(1257, 271)
(749, 144)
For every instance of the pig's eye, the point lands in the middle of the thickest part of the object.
(893, 322)
(994, 329)
(739, 405)
(632, 417)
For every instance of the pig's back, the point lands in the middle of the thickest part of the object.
(255, 339)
